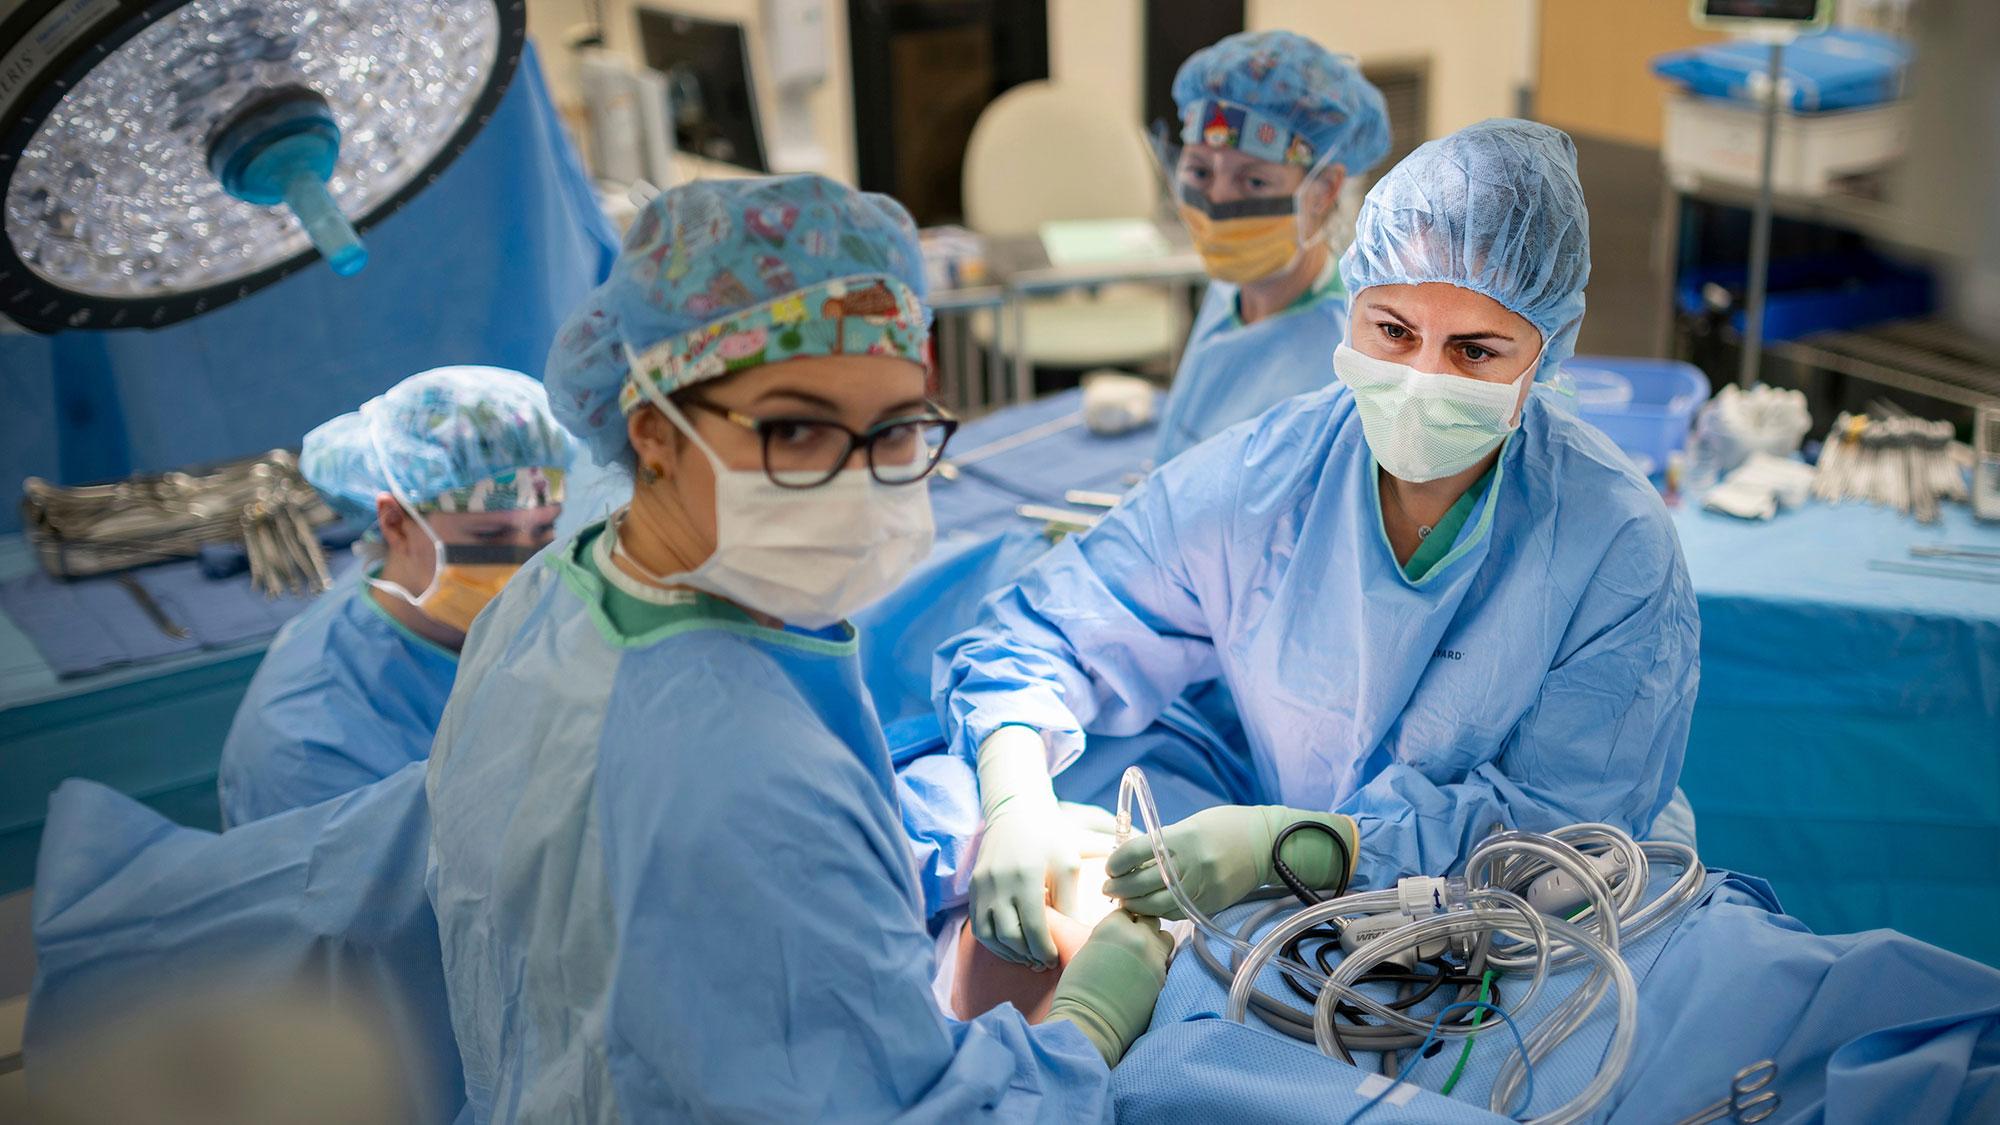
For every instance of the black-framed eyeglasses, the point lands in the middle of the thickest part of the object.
(808, 452)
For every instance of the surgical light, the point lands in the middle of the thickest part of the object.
(160, 160)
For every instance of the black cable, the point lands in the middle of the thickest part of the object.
(1370, 1038)
(1292, 882)
(1293, 950)
(1467, 983)
(1417, 986)
(1309, 896)
(1430, 983)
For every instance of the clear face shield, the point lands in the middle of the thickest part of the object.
(1249, 217)
(464, 577)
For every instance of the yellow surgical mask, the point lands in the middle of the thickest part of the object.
(1244, 249)
(461, 591)
(467, 577)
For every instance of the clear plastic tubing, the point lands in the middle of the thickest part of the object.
(1598, 839)
(1470, 923)
(1624, 1034)
(1512, 858)
(1132, 786)
(1548, 1034)
(1480, 919)
(1636, 918)
(1557, 855)
(1649, 917)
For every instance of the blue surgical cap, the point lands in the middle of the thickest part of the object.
(1495, 208)
(722, 275)
(454, 438)
(1283, 98)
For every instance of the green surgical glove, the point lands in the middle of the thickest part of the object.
(1109, 988)
(1027, 848)
(1223, 854)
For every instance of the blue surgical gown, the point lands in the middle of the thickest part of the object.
(345, 697)
(1541, 674)
(672, 883)
(327, 902)
(1231, 372)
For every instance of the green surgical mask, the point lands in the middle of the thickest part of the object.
(1422, 426)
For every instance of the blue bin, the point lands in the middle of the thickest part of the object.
(1645, 406)
(1840, 292)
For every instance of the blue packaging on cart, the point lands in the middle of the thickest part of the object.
(1841, 68)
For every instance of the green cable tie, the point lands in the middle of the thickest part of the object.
(1478, 1016)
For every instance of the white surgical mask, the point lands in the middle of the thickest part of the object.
(807, 556)
(1421, 426)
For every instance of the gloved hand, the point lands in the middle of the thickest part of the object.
(1093, 831)
(1109, 989)
(1027, 850)
(1223, 854)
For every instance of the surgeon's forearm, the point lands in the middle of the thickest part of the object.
(1103, 632)
(1410, 825)
(1013, 765)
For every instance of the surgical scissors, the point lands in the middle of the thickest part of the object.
(1750, 1097)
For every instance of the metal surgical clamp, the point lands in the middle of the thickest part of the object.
(1750, 1097)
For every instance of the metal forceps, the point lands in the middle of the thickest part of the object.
(1750, 1099)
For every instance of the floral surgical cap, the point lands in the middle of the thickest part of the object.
(719, 276)
(1283, 98)
(455, 439)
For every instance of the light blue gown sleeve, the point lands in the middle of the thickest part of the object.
(1607, 732)
(1106, 630)
(325, 902)
(290, 753)
(938, 796)
(771, 963)
(341, 700)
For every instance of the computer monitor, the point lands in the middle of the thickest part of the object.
(714, 102)
(1800, 15)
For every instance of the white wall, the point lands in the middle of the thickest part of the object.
(1481, 51)
(549, 22)
(831, 105)
(1097, 45)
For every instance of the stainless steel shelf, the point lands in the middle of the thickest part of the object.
(1859, 205)
(1927, 357)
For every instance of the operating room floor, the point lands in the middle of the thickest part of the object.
(13, 1086)
(17, 973)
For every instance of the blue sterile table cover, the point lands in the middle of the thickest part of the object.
(1846, 742)
(90, 624)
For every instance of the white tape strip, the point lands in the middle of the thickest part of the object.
(1374, 1084)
